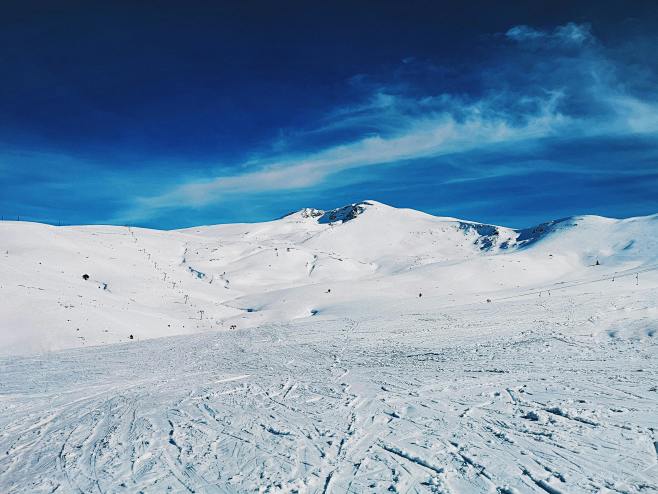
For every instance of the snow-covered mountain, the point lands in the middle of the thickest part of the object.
(72, 286)
(377, 350)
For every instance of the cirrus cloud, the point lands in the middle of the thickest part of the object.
(572, 89)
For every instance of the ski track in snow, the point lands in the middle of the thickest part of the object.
(390, 352)
(523, 395)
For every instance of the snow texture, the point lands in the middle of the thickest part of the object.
(525, 366)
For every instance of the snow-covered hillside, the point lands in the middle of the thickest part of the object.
(554, 393)
(357, 260)
(365, 349)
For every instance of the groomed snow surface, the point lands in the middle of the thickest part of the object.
(300, 356)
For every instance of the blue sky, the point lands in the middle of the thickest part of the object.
(209, 112)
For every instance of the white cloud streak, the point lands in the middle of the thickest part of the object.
(570, 33)
(430, 136)
(432, 126)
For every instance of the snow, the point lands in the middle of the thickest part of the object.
(524, 366)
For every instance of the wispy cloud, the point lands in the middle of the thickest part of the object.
(571, 89)
(570, 33)
(433, 135)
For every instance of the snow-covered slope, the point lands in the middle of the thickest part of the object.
(358, 260)
(529, 363)
(528, 394)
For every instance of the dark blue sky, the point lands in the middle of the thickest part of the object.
(171, 114)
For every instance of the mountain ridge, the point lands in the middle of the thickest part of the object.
(362, 258)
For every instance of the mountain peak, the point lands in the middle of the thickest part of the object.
(345, 213)
(342, 214)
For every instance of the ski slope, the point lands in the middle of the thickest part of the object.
(523, 367)
(350, 261)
